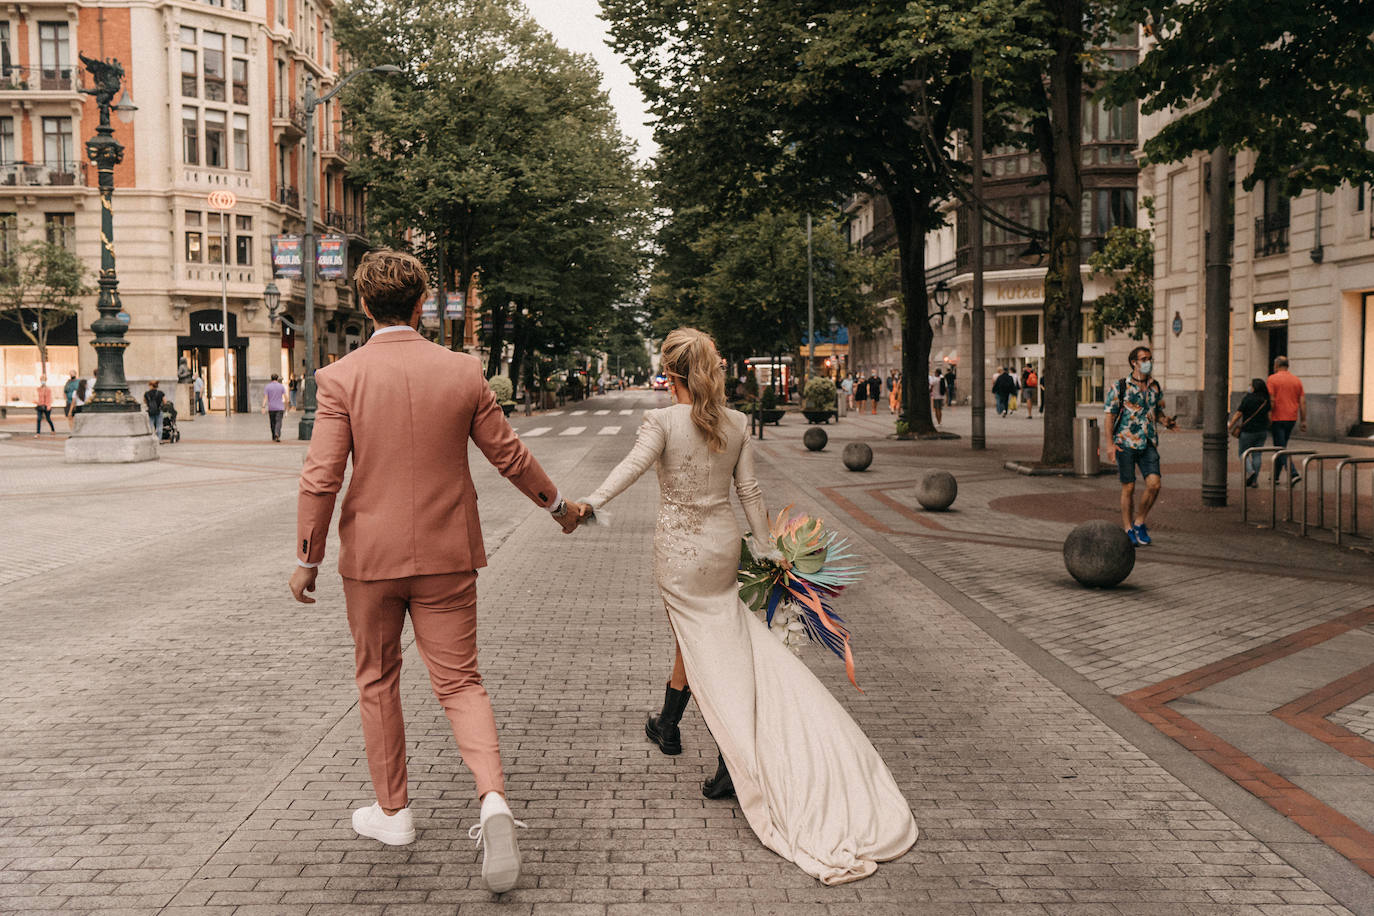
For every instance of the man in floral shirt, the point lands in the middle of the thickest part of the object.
(1133, 407)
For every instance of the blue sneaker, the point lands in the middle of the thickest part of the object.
(1131, 536)
(1142, 535)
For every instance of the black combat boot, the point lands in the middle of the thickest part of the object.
(719, 785)
(662, 729)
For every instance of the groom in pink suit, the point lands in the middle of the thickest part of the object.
(410, 539)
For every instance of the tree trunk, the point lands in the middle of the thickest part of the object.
(496, 340)
(907, 209)
(517, 357)
(1063, 279)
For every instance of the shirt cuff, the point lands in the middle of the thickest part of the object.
(305, 565)
(557, 501)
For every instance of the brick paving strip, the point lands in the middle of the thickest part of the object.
(1321, 820)
(1309, 712)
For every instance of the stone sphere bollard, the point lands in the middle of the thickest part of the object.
(937, 490)
(1099, 554)
(858, 456)
(815, 439)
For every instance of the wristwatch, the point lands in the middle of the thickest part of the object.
(559, 510)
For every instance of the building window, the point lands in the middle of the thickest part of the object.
(214, 140)
(189, 74)
(1359, 197)
(241, 5)
(214, 2)
(6, 56)
(240, 72)
(9, 236)
(214, 244)
(60, 229)
(54, 54)
(243, 250)
(213, 44)
(1271, 229)
(193, 247)
(190, 137)
(241, 142)
(1105, 209)
(188, 35)
(6, 141)
(57, 144)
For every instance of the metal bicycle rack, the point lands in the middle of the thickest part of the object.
(1353, 464)
(1259, 450)
(1321, 490)
(1274, 484)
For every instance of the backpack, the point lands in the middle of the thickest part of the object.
(943, 388)
(1032, 380)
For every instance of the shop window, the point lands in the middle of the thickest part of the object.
(60, 229)
(190, 137)
(214, 140)
(241, 142)
(1091, 379)
(213, 45)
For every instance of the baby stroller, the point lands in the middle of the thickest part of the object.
(170, 433)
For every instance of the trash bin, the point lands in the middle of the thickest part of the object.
(1085, 462)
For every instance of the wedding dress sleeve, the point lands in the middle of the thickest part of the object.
(751, 498)
(648, 446)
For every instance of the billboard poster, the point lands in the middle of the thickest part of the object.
(430, 310)
(453, 309)
(286, 256)
(331, 257)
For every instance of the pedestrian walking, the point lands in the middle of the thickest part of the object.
(83, 390)
(1135, 404)
(1030, 389)
(1250, 425)
(937, 397)
(847, 387)
(69, 397)
(861, 391)
(274, 405)
(875, 390)
(295, 388)
(403, 407)
(1003, 389)
(153, 398)
(951, 378)
(42, 400)
(890, 382)
(894, 396)
(1287, 408)
(198, 389)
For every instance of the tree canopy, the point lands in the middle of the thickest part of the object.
(41, 284)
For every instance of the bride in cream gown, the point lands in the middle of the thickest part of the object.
(810, 783)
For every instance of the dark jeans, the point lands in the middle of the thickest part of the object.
(274, 418)
(155, 420)
(44, 412)
(1001, 400)
(1249, 441)
(1282, 429)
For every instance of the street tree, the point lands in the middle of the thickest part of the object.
(795, 105)
(41, 284)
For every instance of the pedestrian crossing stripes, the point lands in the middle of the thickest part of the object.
(573, 431)
(601, 413)
(578, 413)
(554, 413)
(537, 431)
(608, 431)
(627, 413)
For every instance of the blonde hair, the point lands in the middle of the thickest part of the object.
(390, 283)
(691, 356)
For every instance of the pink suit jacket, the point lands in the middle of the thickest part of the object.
(405, 408)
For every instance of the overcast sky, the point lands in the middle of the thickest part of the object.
(577, 26)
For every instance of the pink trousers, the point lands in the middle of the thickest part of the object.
(443, 613)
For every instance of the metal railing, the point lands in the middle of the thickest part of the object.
(290, 110)
(1259, 452)
(1353, 464)
(43, 175)
(289, 196)
(1271, 234)
(1321, 489)
(39, 79)
(1288, 453)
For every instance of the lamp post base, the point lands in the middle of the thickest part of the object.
(116, 437)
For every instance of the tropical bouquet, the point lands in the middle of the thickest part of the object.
(793, 587)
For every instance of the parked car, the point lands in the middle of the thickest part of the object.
(660, 383)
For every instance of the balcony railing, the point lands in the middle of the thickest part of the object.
(1271, 234)
(43, 175)
(292, 111)
(350, 223)
(41, 79)
(289, 196)
(1007, 255)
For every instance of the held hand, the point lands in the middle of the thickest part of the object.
(302, 581)
(574, 518)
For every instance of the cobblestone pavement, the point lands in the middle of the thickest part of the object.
(177, 736)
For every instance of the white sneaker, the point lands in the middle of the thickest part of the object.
(500, 852)
(392, 829)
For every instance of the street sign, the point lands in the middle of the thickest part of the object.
(222, 200)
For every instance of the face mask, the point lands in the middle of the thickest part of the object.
(1147, 366)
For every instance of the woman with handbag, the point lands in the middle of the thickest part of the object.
(1250, 425)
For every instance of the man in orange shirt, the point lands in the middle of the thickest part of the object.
(1288, 409)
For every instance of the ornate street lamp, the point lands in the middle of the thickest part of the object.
(110, 428)
(940, 296)
(307, 425)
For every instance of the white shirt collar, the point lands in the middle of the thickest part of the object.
(392, 327)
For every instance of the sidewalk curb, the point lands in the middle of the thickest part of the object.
(1032, 470)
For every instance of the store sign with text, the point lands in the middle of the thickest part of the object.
(1271, 314)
